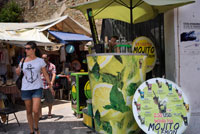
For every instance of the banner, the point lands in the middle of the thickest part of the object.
(160, 107)
(144, 45)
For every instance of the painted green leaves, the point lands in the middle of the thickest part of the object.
(131, 89)
(111, 79)
(104, 124)
(117, 101)
(95, 71)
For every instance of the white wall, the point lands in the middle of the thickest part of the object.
(183, 58)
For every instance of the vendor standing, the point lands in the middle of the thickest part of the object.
(112, 44)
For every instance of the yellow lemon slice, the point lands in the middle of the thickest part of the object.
(109, 64)
(90, 62)
(101, 98)
(127, 125)
(103, 60)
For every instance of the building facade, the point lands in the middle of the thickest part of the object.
(39, 10)
(182, 55)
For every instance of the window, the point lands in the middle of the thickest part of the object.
(31, 3)
(59, 1)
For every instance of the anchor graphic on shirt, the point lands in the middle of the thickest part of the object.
(31, 79)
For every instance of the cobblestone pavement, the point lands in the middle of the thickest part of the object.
(62, 122)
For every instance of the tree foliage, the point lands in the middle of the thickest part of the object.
(11, 12)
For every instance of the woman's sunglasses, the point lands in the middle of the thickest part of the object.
(27, 48)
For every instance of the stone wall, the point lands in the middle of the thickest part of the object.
(47, 9)
(2, 3)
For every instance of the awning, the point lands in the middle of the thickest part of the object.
(64, 36)
(63, 23)
(20, 33)
(22, 36)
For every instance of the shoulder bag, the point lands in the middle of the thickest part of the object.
(19, 79)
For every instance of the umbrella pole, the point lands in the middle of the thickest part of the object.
(93, 30)
(131, 17)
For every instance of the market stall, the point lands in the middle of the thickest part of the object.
(110, 90)
(10, 57)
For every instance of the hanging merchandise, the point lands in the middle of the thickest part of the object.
(62, 54)
(4, 57)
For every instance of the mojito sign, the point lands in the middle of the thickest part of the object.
(144, 45)
(160, 107)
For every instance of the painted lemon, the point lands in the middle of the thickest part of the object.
(109, 64)
(103, 60)
(90, 62)
(126, 125)
(101, 97)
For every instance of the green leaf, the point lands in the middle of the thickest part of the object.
(130, 76)
(117, 101)
(118, 57)
(109, 78)
(130, 123)
(120, 124)
(120, 84)
(131, 132)
(122, 73)
(95, 71)
(107, 107)
(131, 89)
(97, 117)
(107, 127)
(95, 58)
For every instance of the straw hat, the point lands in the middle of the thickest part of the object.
(9, 82)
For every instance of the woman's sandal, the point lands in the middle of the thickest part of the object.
(36, 129)
(49, 116)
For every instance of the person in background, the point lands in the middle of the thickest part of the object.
(112, 43)
(47, 91)
(31, 91)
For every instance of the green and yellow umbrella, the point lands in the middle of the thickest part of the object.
(130, 11)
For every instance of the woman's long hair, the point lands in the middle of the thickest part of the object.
(34, 46)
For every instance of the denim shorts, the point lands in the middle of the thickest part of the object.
(29, 94)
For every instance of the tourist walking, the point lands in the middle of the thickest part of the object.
(48, 93)
(32, 84)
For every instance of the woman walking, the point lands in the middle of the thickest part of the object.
(31, 91)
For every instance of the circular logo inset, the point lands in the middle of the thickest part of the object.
(160, 107)
(144, 45)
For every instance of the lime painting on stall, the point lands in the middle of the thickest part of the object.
(143, 45)
(161, 107)
(87, 90)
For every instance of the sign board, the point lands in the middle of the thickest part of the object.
(144, 45)
(160, 107)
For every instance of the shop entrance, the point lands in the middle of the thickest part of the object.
(153, 29)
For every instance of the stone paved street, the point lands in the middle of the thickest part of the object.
(63, 121)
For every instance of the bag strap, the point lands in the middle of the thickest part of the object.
(22, 64)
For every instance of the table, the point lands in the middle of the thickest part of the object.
(11, 90)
